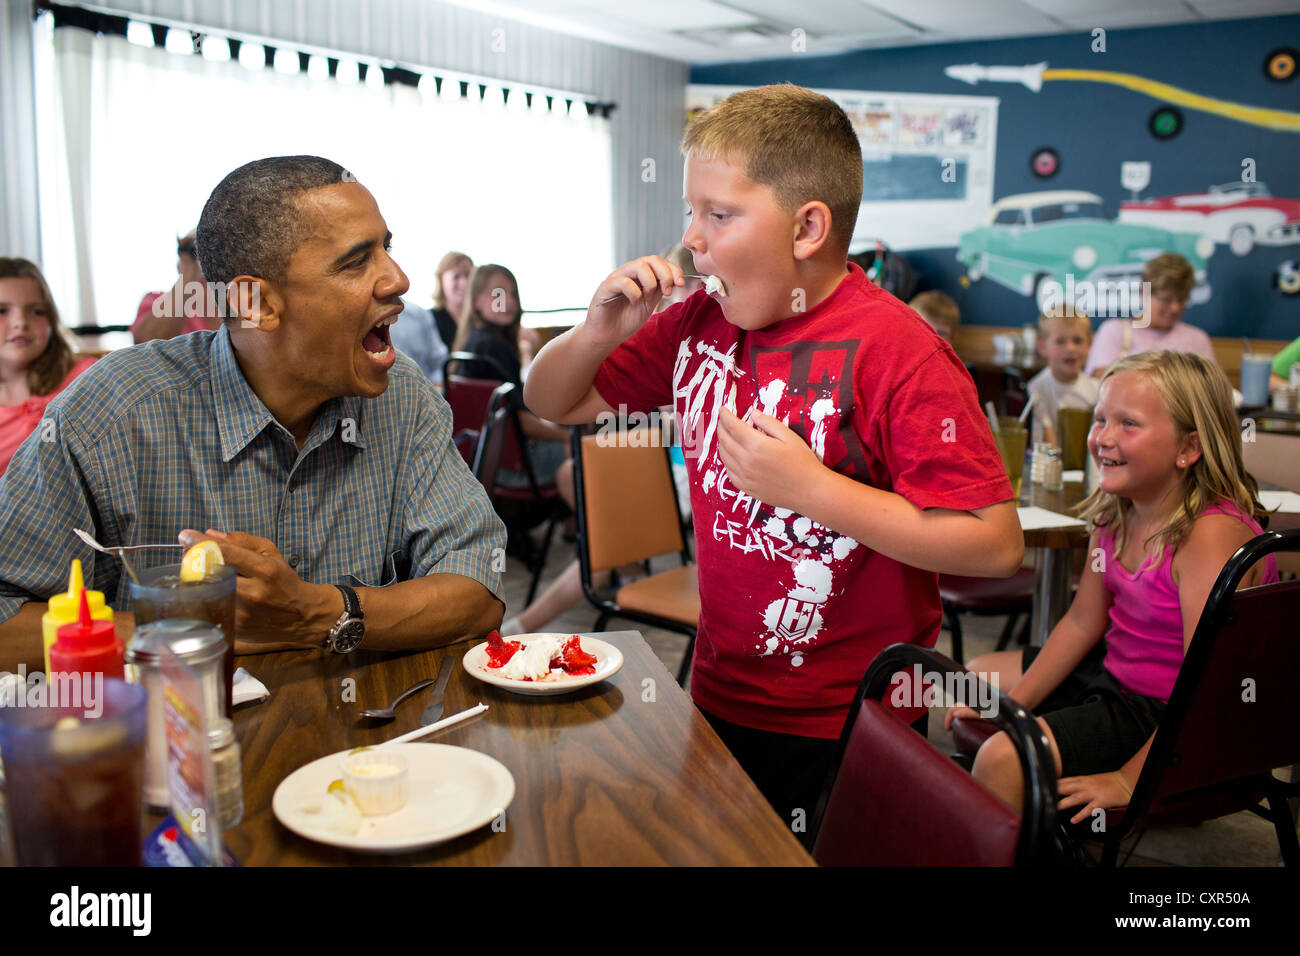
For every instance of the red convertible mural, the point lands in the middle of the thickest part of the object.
(1241, 215)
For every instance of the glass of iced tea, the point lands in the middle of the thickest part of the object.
(161, 594)
(75, 781)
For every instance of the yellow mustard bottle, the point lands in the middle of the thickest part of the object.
(65, 608)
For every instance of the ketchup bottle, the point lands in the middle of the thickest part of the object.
(87, 647)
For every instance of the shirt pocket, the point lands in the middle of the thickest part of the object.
(396, 568)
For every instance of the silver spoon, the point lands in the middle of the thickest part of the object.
(389, 712)
(120, 552)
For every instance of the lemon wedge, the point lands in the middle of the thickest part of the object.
(336, 786)
(200, 560)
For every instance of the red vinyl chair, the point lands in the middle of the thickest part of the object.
(986, 597)
(897, 801)
(522, 509)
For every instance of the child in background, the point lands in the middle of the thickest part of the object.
(814, 408)
(1171, 279)
(490, 327)
(1063, 342)
(37, 360)
(1173, 503)
(939, 310)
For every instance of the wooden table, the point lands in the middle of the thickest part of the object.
(1053, 554)
(610, 775)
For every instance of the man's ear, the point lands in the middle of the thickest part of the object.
(257, 303)
(812, 229)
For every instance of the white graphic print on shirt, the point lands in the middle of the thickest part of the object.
(807, 386)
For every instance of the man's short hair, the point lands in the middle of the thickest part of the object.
(798, 143)
(1170, 274)
(251, 224)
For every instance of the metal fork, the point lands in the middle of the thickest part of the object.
(120, 551)
(620, 295)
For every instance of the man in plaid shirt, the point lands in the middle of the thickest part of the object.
(295, 436)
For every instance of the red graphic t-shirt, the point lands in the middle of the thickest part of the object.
(792, 612)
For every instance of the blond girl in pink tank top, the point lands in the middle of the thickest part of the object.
(1172, 504)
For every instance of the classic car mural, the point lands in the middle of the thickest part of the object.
(1238, 214)
(1040, 243)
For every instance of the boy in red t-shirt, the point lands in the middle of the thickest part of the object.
(837, 454)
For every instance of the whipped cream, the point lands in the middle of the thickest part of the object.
(713, 285)
(533, 660)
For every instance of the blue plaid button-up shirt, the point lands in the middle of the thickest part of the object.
(168, 435)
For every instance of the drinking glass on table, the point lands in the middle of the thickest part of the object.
(1072, 426)
(74, 782)
(1012, 438)
(161, 594)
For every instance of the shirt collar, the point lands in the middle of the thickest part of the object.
(241, 415)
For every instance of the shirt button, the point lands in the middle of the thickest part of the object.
(294, 560)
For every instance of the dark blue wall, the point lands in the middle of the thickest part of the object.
(1095, 126)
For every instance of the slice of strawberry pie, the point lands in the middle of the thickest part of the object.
(574, 660)
(499, 651)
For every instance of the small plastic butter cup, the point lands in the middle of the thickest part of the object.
(376, 781)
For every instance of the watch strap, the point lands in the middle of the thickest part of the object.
(351, 603)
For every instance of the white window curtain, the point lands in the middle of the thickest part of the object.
(132, 140)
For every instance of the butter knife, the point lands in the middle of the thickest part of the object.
(437, 703)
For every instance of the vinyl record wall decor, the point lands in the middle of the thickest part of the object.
(1280, 65)
(1165, 123)
(1045, 162)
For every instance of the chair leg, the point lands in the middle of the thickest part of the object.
(1280, 814)
(541, 557)
(1005, 638)
(954, 629)
(686, 661)
(602, 621)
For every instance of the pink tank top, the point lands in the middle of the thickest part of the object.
(1144, 644)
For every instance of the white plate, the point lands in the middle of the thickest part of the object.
(609, 659)
(450, 792)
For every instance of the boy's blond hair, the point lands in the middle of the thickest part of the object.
(798, 143)
(1170, 274)
(1069, 318)
(936, 307)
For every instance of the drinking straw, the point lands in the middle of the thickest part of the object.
(993, 417)
(1029, 407)
(437, 725)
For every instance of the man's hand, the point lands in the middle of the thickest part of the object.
(767, 460)
(274, 605)
(1105, 791)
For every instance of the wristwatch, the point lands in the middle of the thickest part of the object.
(347, 632)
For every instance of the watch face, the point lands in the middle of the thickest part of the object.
(349, 636)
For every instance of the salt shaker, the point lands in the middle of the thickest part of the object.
(228, 769)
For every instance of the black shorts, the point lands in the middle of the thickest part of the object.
(790, 771)
(1098, 726)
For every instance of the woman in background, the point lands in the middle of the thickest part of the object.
(454, 271)
(37, 360)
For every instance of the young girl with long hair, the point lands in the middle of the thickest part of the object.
(1173, 503)
(37, 359)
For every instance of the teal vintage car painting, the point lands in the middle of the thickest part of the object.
(1051, 243)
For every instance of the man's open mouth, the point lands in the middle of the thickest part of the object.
(377, 341)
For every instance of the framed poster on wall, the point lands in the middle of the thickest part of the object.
(927, 162)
